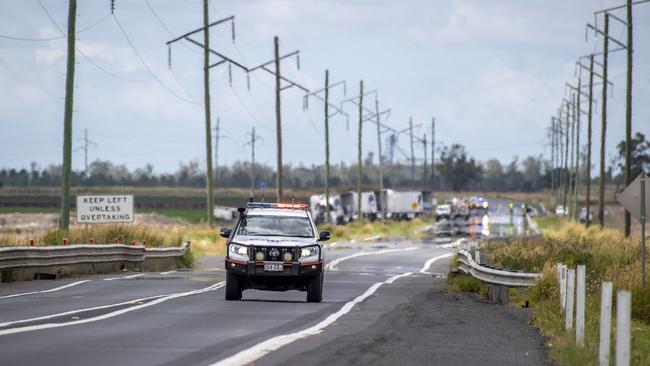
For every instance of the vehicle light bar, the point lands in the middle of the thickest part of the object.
(277, 205)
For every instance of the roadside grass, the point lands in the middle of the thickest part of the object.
(204, 239)
(193, 216)
(18, 209)
(608, 256)
(461, 282)
(366, 230)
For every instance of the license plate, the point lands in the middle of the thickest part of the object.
(273, 267)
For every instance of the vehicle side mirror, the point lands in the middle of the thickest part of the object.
(324, 236)
(225, 232)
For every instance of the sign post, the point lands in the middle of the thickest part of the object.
(105, 209)
(635, 200)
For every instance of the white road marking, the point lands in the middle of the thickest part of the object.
(45, 291)
(427, 264)
(158, 299)
(125, 277)
(248, 356)
(330, 245)
(168, 272)
(331, 266)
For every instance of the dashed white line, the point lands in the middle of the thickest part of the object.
(125, 277)
(168, 272)
(248, 356)
(158, 299)
(331, 266)
(45, 291)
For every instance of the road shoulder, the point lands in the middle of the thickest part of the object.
(435, 328)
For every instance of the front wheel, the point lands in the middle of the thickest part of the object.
(315, 288)
(233, 288)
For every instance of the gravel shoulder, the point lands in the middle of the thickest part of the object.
(436, 328)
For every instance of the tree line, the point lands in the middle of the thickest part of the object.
(454, 170)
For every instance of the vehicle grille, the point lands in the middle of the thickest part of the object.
(270, 250)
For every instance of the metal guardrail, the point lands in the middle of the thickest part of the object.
(61, 255)
(495, 276)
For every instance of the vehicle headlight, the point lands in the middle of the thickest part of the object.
(238, 252)
(310, 254)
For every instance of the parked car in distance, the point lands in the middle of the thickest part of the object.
(561, 210)
(583, 215)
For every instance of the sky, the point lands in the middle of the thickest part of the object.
(491, 73)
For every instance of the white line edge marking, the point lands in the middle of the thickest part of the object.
(158, 299)
(263, 348)
(331, 266)
(125, 277)
(427, 264)
(45, 291)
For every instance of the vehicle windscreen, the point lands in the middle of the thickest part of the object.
(276, 226)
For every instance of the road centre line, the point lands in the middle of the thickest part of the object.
(157, 300)
(45, 291)
(248, 356)
(331, 266)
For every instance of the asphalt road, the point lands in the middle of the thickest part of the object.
(383, 302)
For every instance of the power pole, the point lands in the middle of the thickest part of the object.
(552, 153)
(628, 113)
(576, 191)
(360, 162)
(603, 127)
(425, 174)
(589, 117)
(217, 137)
(278, 120)
(254, 138)
(433, 151)
(87, 143)
(374, 116)
(278, 111)
(206, 86)
(337, 110)
(208, 129)
(573, 136)
(64, 219)
(566, 159)
(412, 150)
(381, 164)
(327, 147)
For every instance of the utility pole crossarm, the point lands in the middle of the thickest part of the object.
(291, 82)
(585, 67)
(232, 17)
(606, 35)
(261, 66)
(222, 56)
(576, 89)
(353, 100)
(620, 7)
(315, 92)
(372, 118)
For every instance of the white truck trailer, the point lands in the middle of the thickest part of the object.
(403, 205)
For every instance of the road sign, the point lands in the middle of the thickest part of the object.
(262, 185)
(630, 198)
(104, 209)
